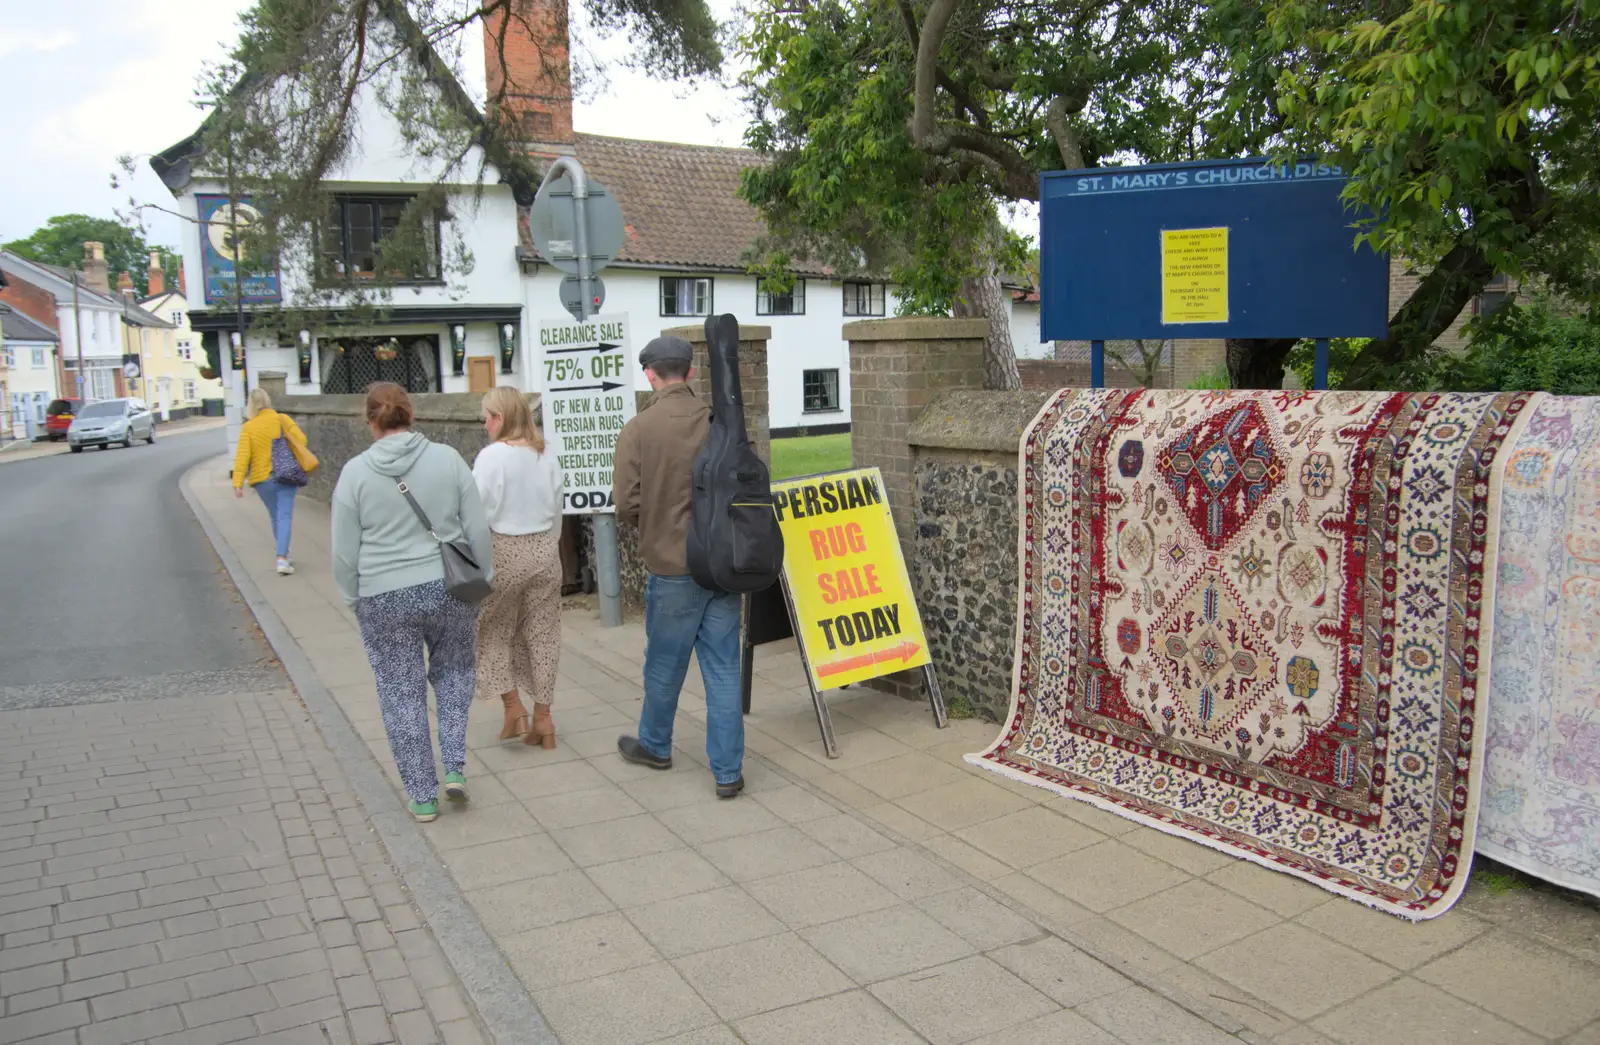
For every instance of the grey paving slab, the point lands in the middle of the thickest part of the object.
(770, 973)
(888, 943)
(961, 1001)
(855, 1016)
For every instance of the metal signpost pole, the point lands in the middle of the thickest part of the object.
(1319, 380)
(608, 561)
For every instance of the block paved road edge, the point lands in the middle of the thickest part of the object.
(504, 1005)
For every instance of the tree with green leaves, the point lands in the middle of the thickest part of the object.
(60, 242)
(284, 117)
(1471, 129)
(898, 130)
(897, 133)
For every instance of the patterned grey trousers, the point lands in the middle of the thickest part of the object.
(395, 628)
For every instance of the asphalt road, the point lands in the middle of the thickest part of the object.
(109, 589)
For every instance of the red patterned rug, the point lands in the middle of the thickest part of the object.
(1259, 620)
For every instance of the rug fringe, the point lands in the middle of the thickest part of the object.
(1377, 904)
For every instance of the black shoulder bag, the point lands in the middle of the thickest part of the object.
(463, 577)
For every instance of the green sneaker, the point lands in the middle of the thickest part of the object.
(424, 811)
(455, 787)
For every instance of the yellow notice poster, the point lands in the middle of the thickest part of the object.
(1194, 275)
(857, 616)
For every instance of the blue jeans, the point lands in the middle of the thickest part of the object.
(279, 499)
(681, 618)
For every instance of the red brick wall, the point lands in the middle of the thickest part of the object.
(537, 74)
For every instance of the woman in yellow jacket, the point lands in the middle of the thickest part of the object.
(253, 464)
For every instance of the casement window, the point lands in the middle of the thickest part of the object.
(821, 391)
(353, 236)
(1495, 293)
(791, 302)
(865, 299)
(189, 391)
(686, 296)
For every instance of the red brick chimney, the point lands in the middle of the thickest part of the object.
(183, 286)
(124, 283)
(95, 274)
(536, 74)
(157, 278)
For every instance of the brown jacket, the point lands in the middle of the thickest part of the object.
(654, 467)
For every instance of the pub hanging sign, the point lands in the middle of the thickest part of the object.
(224, 229)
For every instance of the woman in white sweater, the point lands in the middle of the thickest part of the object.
(519, 624)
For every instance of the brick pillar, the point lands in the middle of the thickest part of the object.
(897, 366)
(752, 378)
(273, 382)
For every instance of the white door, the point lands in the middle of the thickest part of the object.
(164, 391)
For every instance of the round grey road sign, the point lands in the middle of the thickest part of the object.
(553, 221)
(571, 301)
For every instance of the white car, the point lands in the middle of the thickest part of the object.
(111, 421)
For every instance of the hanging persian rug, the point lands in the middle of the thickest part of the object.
(1260, 620)
(1541, 783)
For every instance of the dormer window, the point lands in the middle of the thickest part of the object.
(354, 235)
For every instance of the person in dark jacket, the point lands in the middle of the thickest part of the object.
(652, 482)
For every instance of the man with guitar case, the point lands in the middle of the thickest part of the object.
(686, 477)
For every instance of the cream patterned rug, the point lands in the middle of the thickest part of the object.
(1261, 621)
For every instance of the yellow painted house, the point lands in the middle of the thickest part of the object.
(173, 358)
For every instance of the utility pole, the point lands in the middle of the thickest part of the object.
(77, 331)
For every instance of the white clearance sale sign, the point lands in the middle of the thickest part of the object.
(586, 396)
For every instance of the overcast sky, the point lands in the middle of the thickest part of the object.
(85, 81)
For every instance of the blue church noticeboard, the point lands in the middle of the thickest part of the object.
(1226, 248)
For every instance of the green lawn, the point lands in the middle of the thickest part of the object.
(806, 455)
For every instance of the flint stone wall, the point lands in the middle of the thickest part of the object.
(964, 450)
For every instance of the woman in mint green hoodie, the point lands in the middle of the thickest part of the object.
(390, 573)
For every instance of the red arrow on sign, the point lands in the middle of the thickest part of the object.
(903, 652)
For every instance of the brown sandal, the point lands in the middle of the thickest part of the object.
(517, 721)
(542, 730)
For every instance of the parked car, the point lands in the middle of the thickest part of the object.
(58, 417)
(112, 421)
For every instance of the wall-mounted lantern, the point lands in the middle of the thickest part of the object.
(458, 348)
(238, 350)
(305, 357)
(508, 346)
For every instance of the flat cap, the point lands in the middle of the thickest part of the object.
(666, 348)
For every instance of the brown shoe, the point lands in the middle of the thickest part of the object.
(516, 717)
(542, 730)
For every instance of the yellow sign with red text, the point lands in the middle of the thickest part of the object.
(856, 615)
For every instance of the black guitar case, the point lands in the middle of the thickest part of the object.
(734, 541)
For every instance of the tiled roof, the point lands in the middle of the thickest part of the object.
(16, 326)
(680, 203)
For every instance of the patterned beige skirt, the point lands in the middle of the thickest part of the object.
(519, 624)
